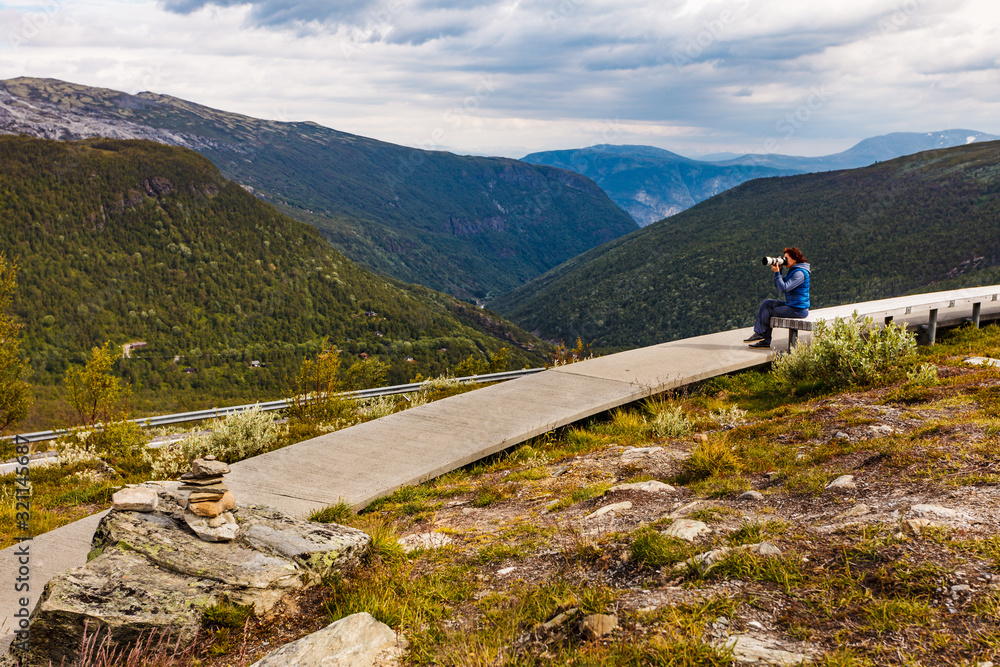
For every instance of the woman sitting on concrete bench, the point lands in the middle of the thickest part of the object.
(795, 286)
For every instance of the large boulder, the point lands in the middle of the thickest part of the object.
(357, 640)
(149, 571)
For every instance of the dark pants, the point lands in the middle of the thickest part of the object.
(774, 308)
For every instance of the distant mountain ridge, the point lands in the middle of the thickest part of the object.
(651, 183)
(868, 151)
(922, 222)
(470, 226)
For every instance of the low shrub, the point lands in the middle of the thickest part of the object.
(709, 459)
(667, 420)
(730, 417)
(847, 352)
(237, 437)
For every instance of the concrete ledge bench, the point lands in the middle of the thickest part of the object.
(794, 326)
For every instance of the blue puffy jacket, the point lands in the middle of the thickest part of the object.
(795, 286)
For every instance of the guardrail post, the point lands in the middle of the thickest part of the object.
(932, 326)
(976, 308)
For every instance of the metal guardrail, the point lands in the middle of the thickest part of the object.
(214, 413)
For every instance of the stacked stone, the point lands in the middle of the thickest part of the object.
(208, 500)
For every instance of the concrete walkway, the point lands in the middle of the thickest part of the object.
(364, 462)
(370, 460)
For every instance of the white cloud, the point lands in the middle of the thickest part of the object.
(690, 76)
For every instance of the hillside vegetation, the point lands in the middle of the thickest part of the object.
(470, 226)
(919, 223)
(135, 241)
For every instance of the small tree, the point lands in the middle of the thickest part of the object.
(563, 355)
(15, 393)
(366, 374)
(101, 401)
(473, 365)
(315, 389)
(98, 396)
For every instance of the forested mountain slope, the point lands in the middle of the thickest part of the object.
(919, 223)
(136, 241)
(470, 226)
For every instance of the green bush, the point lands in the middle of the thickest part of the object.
(847, 352)
(924, 375)
(667, 420)
(237, 437)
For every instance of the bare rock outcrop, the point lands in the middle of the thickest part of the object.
(148, 571)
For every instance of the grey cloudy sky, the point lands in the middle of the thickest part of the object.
(508, 77)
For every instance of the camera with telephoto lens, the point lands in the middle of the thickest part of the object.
(773, 261)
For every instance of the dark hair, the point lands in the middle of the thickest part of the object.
(795, 254)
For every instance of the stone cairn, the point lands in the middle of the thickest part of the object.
(208, 500)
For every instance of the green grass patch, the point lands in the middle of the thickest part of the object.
(651, 548)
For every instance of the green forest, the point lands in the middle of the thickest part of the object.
(470, 226)
(132, 241)
(920, 223)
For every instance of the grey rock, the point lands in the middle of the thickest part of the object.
(147, 571)
(135, 499)
(764, 549)
(221, 528)
(208, 467)
(842, 483)
(915, 526)
(751, 650)
(123, 592)
(596, 626)
(617, 507)
(215, 489)
(858, 510)
(751, 495)
(169, 489)
(321, 548)
(189, 482)
(982, 361)
(940, 512)
(686, 529)
(705, 560)
(652, 486)
(560, 619)
(425, 541)
(636, 453)
(353, 641)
